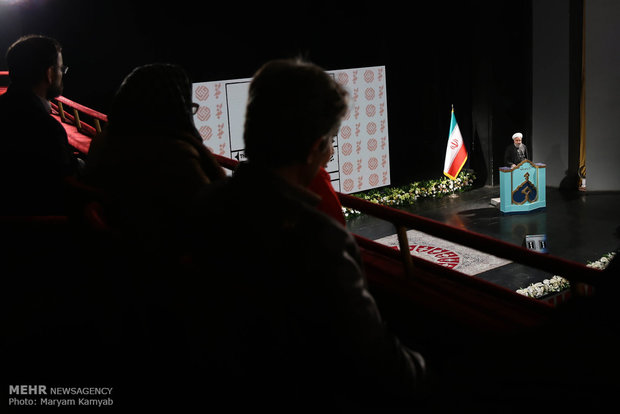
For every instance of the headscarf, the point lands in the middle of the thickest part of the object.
(153, 98)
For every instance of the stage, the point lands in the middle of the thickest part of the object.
(579, 226)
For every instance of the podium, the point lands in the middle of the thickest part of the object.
(522, 188)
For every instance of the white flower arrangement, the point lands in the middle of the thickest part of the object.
(603, 262)
(539, 289)
(557, 283)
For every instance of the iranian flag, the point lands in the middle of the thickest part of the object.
(456, 154)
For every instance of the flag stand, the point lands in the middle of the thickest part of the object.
(453, 194)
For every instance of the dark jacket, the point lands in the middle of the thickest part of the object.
(511, 155)
(35, 156)
(149, 178)
(282, 314)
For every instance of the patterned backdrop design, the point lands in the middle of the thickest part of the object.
(363, 136)
(361, 157)
(212, 116)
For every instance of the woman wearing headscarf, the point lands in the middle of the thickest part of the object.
(150, 161)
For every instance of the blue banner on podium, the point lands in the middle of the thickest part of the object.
(522, 188)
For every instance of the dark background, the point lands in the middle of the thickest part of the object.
(473, 54)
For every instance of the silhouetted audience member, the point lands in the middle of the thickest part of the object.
(35, 156)
(51, 330)
(151, 160)
(148, 163)
(276, 289)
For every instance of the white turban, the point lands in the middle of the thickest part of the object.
(517, 135)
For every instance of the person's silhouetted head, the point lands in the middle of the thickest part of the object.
(35, 61)
(154, 98)
(291, 105)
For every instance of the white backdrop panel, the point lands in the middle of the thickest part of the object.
(361, 149)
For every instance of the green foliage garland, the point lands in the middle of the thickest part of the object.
(407, 194)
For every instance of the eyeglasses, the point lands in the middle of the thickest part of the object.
(64, 69)
(330, 139)
(195, 108)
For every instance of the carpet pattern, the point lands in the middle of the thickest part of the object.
(445, 253)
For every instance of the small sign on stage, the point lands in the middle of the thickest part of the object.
(536, 242)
